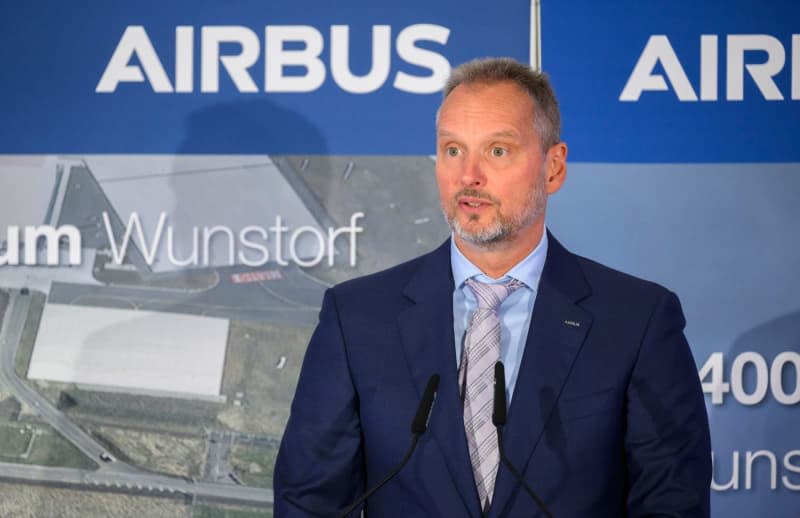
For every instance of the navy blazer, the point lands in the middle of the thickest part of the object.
(607, 417)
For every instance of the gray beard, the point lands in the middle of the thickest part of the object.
(503, 228)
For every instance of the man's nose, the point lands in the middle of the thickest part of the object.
(473, 174)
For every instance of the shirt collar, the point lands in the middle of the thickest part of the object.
(528, 271)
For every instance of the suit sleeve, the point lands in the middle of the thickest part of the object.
(319, 469)
(667, 438)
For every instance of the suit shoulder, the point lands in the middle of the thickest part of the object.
(630, 301)
(389, 281)
(609, 281)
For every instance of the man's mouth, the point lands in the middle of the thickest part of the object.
(473, 203)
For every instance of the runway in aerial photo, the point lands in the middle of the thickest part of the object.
(156, 309)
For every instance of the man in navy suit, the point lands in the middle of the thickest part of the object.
(606, 415)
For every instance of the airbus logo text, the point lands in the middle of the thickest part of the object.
(762, 57)
(293, 59)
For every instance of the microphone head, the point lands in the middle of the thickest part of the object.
(420, 423)
(499, 410)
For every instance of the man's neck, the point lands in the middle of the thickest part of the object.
(496, 259)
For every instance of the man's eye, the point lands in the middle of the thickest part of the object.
(452, 151)
(498, 151)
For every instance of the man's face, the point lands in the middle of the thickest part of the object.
(489, 164)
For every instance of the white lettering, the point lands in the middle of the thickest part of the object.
(134, 41)
(749, 459)
(235, 65)
(277, 58)
(236, 244)
(55, 238)
(408, 51)
(340, 59)
(761, 73)
(708, 67)
(794, 468)
(52, 237)
(759, 364)
(118, 254)
(252, 245)
(193, 258)
(279, 229)
(657, 50)
(782, 360)
(320, 246)
(11, 254)
(755, 473)
(184, 59)
(352, 230)
(208, 235)
(733, 483)
(293, 59)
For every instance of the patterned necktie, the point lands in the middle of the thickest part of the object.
(476, 379)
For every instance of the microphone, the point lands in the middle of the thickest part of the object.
(420, 423)
(418, 427)
(499, 421)
(499, 410)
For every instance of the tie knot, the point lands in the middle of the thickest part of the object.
(490, 296)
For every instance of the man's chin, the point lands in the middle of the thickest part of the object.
(480, 235)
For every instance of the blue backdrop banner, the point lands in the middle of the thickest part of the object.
(238, 77)
(676, 81)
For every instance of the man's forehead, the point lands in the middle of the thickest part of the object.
(505, 100)
(501, 133)
(493, 119)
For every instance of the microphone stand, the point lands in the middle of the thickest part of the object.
(499, 421)
(418, 427)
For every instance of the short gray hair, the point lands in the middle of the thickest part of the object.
(546, 117)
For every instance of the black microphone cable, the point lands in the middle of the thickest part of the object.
(418, 427)
(499, 421)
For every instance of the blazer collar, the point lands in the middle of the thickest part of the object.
(426, 330)
(558, 330)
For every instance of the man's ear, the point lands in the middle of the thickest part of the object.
(555, 167)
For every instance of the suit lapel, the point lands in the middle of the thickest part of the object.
(558, 329)
(426, 330)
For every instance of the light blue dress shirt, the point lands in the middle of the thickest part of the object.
(515, 312)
